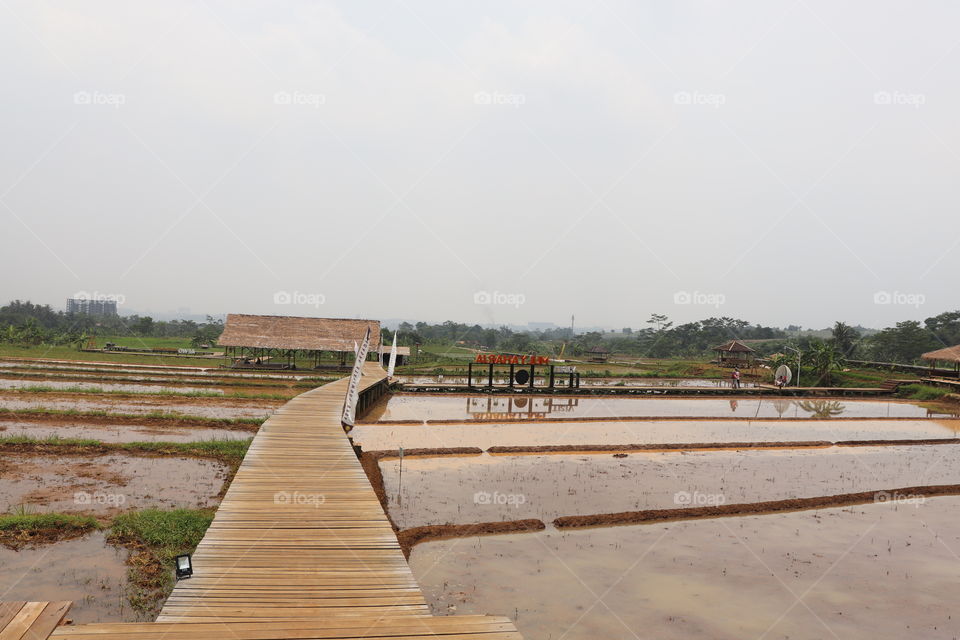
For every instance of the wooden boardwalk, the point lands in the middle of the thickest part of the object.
(30, 620)
(300, 548)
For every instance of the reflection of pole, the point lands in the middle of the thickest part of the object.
(400, 482)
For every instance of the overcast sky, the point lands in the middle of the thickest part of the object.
(782, 162)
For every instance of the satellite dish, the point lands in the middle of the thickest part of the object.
(784, 371)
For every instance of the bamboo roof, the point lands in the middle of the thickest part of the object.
(291, 332)
(950, 354)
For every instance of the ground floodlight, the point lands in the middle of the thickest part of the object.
(184, 566)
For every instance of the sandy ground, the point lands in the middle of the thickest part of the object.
(877, 571)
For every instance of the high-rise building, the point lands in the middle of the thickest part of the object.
(92, 307)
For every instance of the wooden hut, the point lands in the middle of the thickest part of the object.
(734, 353)
(949, 355)
(598, 354)
(403, 355)
(277, 341)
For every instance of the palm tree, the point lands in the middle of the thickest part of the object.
(823, 358)
(845, 338)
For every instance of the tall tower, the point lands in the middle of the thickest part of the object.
(571, 324)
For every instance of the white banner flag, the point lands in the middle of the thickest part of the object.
(353, 390)
(393, 356)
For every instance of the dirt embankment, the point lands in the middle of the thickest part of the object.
(410, 537)
(903, 494)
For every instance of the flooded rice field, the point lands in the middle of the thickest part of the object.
(484, 488)
(421, 407)
(803, 564)
(874, 571)
(584, 382)
(87, 571)
(204, 407)
(390, 437)
(108, 483)
(118, 433)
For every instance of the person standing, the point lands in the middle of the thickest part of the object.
(736, 377)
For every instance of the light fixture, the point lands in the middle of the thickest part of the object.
(184, 566)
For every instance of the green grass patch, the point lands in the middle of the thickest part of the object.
(156, 537)
(921, 392)
(152, 415)
(228, 450)
(21, 527)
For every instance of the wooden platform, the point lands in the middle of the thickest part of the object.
(404, 628)
(30, 620)
(300, 548)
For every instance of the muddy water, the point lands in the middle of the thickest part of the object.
(425, 407)
(107, 484)
(130, 388)
(87, 571)
(259, 408)
(150, 369)
(585, 382)
(487, 488)
(376, 437)
(121, 433)
(878, 571)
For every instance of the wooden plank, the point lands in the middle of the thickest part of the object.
(30, 620)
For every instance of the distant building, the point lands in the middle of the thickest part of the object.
(92, 307)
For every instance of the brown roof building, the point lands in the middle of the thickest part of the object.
(265, 337)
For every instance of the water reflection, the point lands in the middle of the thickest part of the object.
(493, 408)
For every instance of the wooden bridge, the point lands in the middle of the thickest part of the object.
(299, 548)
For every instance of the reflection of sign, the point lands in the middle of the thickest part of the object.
(512, 407)
(499, 358)
(565, 369)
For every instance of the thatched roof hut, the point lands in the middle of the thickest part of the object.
(734, 353)
(273, 335)
(949, 354)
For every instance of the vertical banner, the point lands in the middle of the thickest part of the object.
(353, 390)
(393, 356)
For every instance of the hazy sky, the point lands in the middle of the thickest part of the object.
(783, 162)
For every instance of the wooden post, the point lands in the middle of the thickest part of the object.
(469, 375)
(531, 376)
(511, 375)
(490, 377)
(551, 377)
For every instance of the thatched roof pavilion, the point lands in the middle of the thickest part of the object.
(949, 354)
(270, 336)
(734, 353)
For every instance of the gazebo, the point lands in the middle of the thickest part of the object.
(950, 355)
(598, 354)
(734, 353)
(262, 340)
